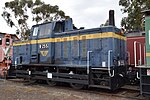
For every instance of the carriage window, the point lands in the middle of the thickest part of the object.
(35, 31)
(0, 41)
(7, 41)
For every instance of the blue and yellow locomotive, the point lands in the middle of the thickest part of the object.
(56, 52)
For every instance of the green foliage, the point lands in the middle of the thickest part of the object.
(46, 12)
(17, 13)
(135, 18)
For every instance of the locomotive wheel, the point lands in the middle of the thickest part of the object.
(77, 86)
(51, 83)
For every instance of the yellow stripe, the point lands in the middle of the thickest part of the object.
(46, 40)
(90, 36)
(73, 38)
(148, 54)
(21, 43)
(33, 41)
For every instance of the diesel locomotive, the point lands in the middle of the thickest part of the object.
(56, 52)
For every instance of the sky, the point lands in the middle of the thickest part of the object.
(85, 13)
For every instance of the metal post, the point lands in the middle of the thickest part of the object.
(88, 61)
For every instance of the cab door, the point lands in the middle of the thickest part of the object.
(34, 45)
(45, 44)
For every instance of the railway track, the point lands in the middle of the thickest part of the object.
(122, 93)
(128, 93)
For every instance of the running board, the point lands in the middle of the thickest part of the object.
(99, 86)
(99, 68)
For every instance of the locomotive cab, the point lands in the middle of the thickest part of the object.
(42, 52)
(39, 47)
(46, 30)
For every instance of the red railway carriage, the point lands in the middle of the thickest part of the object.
(5, 52)
(139, 37)
(135, 49)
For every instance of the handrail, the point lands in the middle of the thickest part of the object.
(135, 51)
(135, 56)
(140, 47)
(88, 61)
(109, 62)
(137, 75)
(16, 62)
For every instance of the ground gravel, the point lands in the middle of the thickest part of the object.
(18, 90)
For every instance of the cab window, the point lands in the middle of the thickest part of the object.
(58, 28)
(7, 41)
(0, 41)
(45, 29)
(35, 31)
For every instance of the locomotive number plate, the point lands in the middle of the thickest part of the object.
(49, 75)
(42, 46)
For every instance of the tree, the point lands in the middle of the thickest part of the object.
(18, 12)
(135, 18)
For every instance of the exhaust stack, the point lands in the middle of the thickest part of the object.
(111, 17)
